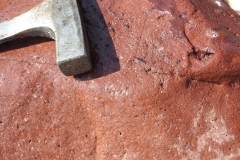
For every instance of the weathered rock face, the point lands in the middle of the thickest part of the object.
(165, 85)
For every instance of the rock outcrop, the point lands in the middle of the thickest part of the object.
(164, 85)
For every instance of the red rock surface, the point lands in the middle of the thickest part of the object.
(165, 85)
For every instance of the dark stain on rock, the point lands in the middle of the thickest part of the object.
(201, 55)
(141, 60)
(179, 20)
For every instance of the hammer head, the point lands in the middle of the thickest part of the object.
(71, 42)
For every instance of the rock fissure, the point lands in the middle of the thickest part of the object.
(200, 55)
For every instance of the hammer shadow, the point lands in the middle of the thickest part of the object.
(102, 50)
(22, 42)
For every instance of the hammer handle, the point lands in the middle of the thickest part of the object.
(36, 22)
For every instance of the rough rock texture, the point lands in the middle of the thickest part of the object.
(165, 85)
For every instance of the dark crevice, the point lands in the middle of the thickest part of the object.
(196, 53)
(184, 32)
(141, 60)
(200, 55)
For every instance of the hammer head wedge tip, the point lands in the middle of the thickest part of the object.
(71, 42)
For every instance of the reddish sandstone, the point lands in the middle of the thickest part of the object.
(165, 85)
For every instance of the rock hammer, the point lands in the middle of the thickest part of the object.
(59, 20)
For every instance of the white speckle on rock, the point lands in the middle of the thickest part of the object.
(129, 155)
(1, 79)
(160, 49)
(25, 119)
(218, 3)
(197, 118)
(212, 33)
(116, 91)
(34, 95)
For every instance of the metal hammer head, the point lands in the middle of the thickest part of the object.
(59, 20)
